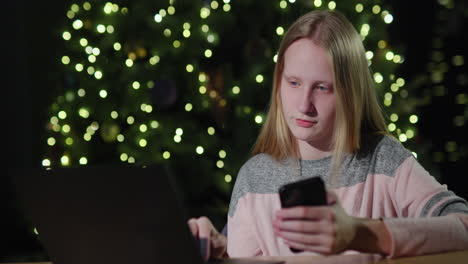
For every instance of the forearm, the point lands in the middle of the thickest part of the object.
(429, 235)
(371, 237)
(397, 237)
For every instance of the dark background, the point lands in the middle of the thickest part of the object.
(31, 46)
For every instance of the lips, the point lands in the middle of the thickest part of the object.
(305, 123)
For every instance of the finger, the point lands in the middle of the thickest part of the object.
(218, 241)
(321, 249)
(205, 229)
(304, 238)
(299, 226)
(192, 223)
(218, 245)
(306, 212)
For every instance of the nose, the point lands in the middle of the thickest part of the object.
(306, 103)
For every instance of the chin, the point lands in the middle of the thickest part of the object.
(307, 137)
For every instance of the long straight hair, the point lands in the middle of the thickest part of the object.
(357, 108)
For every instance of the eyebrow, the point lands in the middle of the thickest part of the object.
(287, 76)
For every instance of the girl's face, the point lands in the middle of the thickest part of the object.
(307, 93)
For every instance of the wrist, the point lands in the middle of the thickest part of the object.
(371, 237)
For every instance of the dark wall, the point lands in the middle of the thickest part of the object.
(30, 46)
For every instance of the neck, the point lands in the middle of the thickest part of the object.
(310, 151)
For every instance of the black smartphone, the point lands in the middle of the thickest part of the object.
(307, 192)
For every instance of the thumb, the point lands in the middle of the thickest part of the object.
(332, 198)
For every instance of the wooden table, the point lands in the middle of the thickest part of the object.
(460, 257)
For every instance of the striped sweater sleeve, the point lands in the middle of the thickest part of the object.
(431, 218)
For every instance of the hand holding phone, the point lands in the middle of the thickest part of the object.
(308, 192)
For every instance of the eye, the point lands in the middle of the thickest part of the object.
(293, 83)
(323, 87)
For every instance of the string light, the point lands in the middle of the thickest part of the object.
(101, 28)
(117, 46)
(114, 114)
(86, 6)
(259, 78)
(154, 124)
(65, 160)
(388, 18)
(378, 78)
(235, 90)
(66, 35)
(51, 141)
(208, 53)
(376, 9)
(359, 8)
(65, 60)
(280, 31)
(365, 28)
(199, 150)
(258, 119)
(69, 141)
(189, 68)
(79, 67)
(211, 131)
(142, 142)
(202, 89)
(158, 18)
(204, 12)
(130, 120)
(77, 24)
(413, 119)
(222, 154)
(226, 7)
(283, 4)
(129, 62)
(46, 162)
(171, 10)
(83, 161)
(154, 60)
(228, 178)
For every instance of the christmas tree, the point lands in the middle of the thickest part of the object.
(187, 83)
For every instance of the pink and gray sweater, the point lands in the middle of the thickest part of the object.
(383, 181)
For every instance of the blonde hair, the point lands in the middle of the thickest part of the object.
(357, 108)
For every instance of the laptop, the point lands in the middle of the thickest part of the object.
(117, 215)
